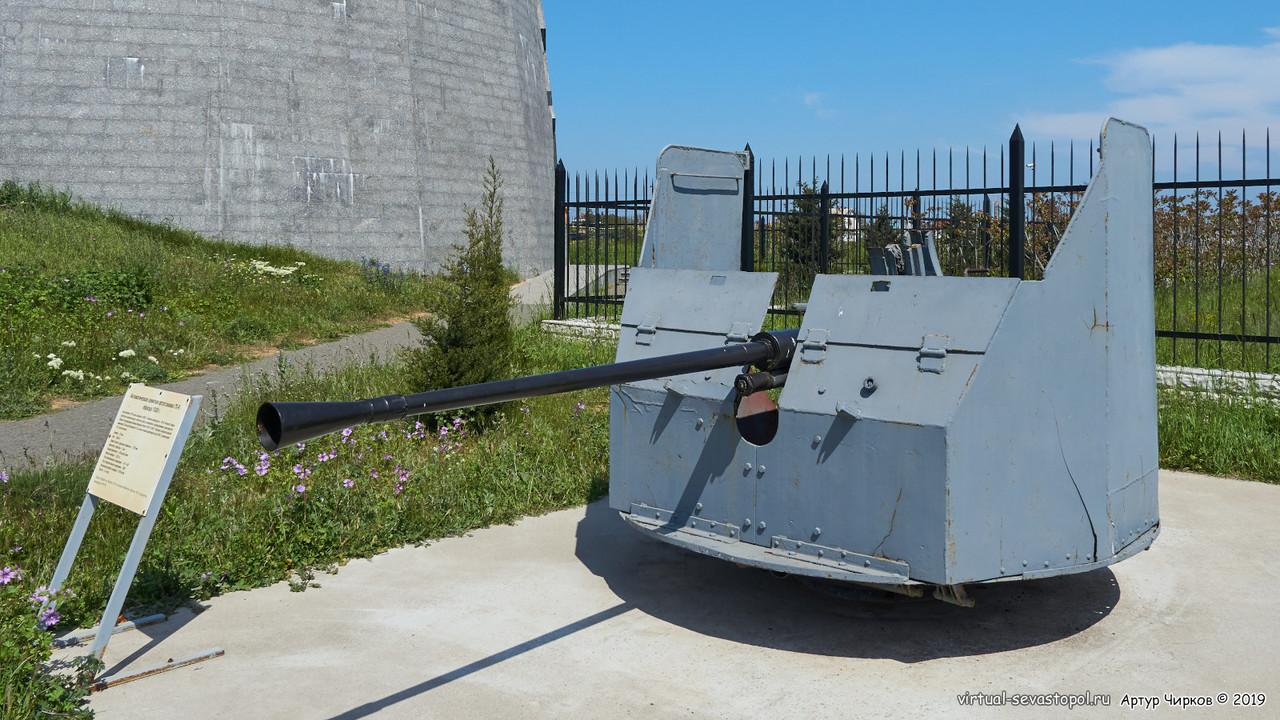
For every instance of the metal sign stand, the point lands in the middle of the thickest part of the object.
(108, 627)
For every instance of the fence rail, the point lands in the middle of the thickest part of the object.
(990, 213)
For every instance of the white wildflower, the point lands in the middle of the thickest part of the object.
(126, 353)
(68, 343)
(153, 359)
(52, 356)
(55, 363)
(77, 374)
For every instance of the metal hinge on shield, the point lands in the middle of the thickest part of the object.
(813, 349)
(933, 353)
(647, 329)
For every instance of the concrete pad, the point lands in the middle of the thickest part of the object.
(575, 615)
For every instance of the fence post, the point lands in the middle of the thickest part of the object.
(748, 261)
(986, 233)
(560, 251)
(1017, 204)
(824, 229)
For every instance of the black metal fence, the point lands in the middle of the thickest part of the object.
(990, 213)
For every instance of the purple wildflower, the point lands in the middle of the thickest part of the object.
(299, 489)
(348, 482)
(4, 476)
(9, 574)
(40, 596)
(50, 617)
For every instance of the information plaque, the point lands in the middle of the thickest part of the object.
(133, 471)
(142, 438)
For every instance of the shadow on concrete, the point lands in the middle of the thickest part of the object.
(754, 607)
(375, 706)
(156, 634)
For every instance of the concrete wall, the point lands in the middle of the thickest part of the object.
(345, 128)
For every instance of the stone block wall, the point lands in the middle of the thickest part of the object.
(351, 128)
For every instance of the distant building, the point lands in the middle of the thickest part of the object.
(350, 128)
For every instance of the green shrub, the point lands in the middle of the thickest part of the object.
(31, 685)
(467, 338)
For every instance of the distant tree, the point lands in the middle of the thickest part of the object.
(798, 238)
(882, 231)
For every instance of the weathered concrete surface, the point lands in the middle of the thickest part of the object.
(575, 615)
(347, 128)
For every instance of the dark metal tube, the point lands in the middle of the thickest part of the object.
(286, 423)
(751, 383)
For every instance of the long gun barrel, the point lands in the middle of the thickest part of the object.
(286, 423)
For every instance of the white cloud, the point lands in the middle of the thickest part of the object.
(1182, 88)
(815, 101)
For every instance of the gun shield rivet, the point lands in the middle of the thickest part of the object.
(817, 531)
(747, 467)
(869, 385)
(747, 522)
(822, 389)
(763, 525)
(699, 422)
(817, 439)
(698, 506)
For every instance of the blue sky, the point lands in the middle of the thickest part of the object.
(858, 77)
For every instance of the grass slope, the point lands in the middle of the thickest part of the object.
(93, 300)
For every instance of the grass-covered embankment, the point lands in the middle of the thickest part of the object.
(91, 300)
(236, 517)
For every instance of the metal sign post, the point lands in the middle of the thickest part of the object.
(133, 471)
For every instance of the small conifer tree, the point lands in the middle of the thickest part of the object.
(467, 337)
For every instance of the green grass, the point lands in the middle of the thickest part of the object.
(1243, 310)
(1238, 437)
(93, 300)
(410, 482)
